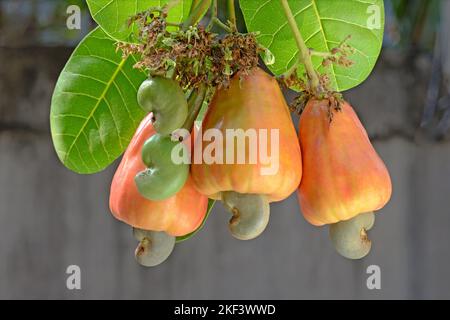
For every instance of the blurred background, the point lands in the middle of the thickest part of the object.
(51, 218)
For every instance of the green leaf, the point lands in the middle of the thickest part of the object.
(94, 111)
(112, 15)
(323, 25)
(208, 211)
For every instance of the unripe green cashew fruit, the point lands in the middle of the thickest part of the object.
(163, 177)
(166, 100)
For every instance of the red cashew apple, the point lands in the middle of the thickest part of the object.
(178, 215)
(155, 223)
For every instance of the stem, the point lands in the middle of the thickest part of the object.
(213, 15)
(232, 14)
(194, 4)
(197, 13)
(304, 51)
(174, 24)
(216, 21)
(222, 25)
(195, 104)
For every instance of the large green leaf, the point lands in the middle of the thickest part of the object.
(323, 25)
(112, 15)
(94, 110)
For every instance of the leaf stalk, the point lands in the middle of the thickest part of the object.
(195, 104)
(197, 13)
(305, 55)
(232, 15)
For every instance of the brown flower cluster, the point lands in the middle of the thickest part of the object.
(193, 56)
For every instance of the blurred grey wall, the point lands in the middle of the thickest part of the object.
(51, 218)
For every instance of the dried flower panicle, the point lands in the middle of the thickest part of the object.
(195, 56)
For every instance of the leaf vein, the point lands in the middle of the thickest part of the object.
(124, 102)
(81, 94)
(86, 76)
(68, 115)
(103, 8)
(285, 24)
(100, 58)
(89, 149)
(100, 136)
(259, 9)
(316, 11)
(114, 121)
(349, 23)
(82, 158)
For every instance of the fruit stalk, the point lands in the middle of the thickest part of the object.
(232, 14)
(197, 13)
(195, 103)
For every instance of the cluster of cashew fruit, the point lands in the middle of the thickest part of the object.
(332, 165)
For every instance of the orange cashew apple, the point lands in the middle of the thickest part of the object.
(254, 122)
(343, 176)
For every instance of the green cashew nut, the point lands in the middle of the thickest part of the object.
(163, 177)
(154, 247)
(350, 237)
(250, 212)
(166, 100)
